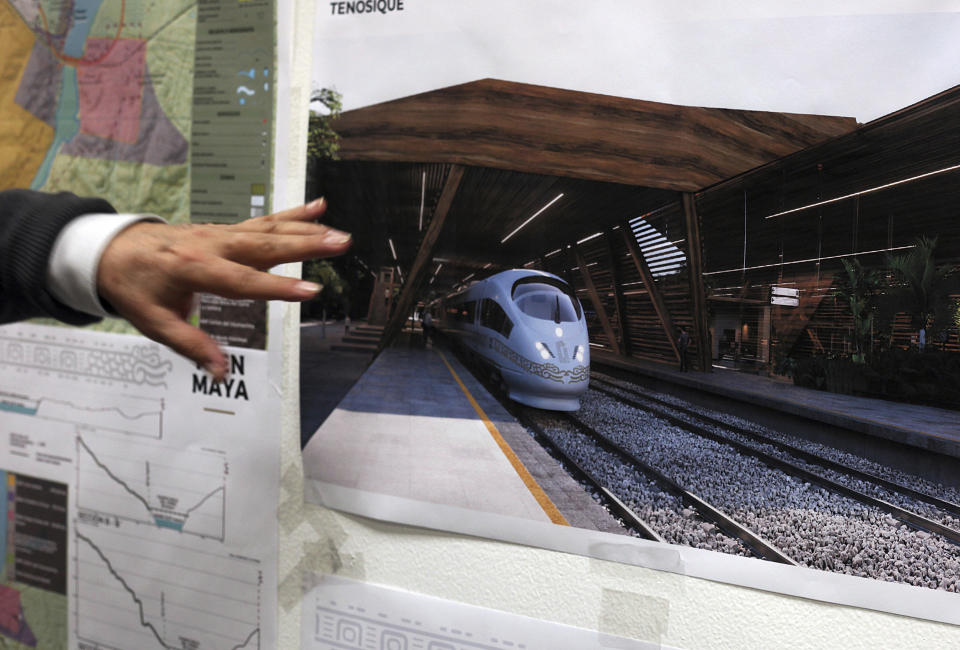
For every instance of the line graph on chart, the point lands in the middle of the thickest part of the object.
(118, 413)
(133, 591)
(148, 485)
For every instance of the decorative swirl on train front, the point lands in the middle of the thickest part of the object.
(545, 370)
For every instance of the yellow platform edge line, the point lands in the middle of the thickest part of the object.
(548, 506)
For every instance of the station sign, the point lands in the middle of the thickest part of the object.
(784, 300)
(785, 291)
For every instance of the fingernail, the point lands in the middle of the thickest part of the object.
(308, 288)
(315, 205)
(336, 237)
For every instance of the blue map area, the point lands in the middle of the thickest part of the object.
(68, 106)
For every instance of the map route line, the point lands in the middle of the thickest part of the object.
(136, 599)
(139, 603)
(80, 61)
(146, 504)
(173, 19)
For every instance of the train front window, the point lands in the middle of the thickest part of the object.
(546, 299)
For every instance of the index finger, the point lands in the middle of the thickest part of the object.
(309, 212)
(266, 250)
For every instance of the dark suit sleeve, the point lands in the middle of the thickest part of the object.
(29, 224)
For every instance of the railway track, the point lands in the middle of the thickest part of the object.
(672, 472)
(591, 479)
(789, 456)
(917, 521)
(674, 515)
(707, 512)
(815, 526)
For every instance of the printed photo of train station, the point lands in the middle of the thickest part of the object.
(726, 330)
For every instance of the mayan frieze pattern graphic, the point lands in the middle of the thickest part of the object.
(546, 370)
(137, 364)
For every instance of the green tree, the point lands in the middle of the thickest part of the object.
(922, 289)
(334, 298)
(323, 143)
(858, 288)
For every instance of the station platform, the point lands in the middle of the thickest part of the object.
(928, 428)
(418, 426)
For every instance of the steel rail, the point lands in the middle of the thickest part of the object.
(615, 504)
(912, 519)
(757, 544)
(943, 504)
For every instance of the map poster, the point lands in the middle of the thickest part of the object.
(231, 142)
(158, 107)
(33, 547)
(140, 497)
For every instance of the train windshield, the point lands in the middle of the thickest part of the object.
(546, 299)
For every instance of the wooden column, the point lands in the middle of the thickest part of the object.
(595, 299)
(659, 306)
(698, 294)
(618, 298)
(418, 271)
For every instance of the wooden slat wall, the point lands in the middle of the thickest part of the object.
(919, 140)
(642, 326)
(832, 324)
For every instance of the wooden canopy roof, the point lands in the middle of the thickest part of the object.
(519, 147)
(554, 132)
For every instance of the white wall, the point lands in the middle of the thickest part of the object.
(618, 599)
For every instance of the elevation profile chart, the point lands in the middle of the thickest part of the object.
(134, 592)
(149, 486)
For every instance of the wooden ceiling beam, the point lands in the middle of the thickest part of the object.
(698, 294)
(618, 298)
(597, 303)
(420, 266)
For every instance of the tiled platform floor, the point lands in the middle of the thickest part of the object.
(408, 429)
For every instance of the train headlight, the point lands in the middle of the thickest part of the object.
(544, 351)
(578, 353)
(559, 332)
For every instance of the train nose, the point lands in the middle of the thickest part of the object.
(563, 352)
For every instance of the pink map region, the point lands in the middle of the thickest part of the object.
(12, 622)
(111, 91)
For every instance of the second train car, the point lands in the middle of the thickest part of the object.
(530, 328)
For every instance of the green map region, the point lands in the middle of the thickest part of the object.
(33, 545)
(157, 106)
(95, 98)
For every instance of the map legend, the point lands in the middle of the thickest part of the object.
(232, 110)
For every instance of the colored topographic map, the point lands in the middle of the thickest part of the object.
(30, 617)
(95, 98)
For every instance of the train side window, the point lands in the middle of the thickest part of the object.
(493, 317)
(468, 311)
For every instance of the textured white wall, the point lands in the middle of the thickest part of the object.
(618, 599)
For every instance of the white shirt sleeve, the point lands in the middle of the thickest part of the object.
(75, 257)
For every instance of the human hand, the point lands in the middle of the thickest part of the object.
(150, 272)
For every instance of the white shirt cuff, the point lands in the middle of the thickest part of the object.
(75, 257)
